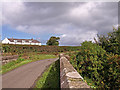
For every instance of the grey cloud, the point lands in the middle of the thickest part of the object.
(71, 19)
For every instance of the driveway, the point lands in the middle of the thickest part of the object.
(25, 76)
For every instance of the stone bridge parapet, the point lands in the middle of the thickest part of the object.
(69, 77)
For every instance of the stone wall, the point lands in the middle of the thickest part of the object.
(69, 77)
(6, 59)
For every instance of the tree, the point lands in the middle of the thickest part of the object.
(111, 42)
(53, 41)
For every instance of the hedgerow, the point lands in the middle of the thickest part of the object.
(95, 63)
(18, 49)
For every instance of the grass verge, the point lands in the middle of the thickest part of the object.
(14, 64)
(35, 57)
(50, 78)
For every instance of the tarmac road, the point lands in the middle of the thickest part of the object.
(25, 76)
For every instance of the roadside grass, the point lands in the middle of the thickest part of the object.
(50, 78)
(12, 65)
(20, 61)
(41, 56)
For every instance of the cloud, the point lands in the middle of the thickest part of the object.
(73, 22)
(77, 38)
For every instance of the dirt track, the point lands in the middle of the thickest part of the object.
(24, 76)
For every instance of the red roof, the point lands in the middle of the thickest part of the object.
(26, 40)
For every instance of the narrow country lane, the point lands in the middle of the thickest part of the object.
(24, 76)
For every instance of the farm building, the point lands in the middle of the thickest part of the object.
(21, 41)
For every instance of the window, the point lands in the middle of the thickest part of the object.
(23, 41)
(15, 41)
(30, 41)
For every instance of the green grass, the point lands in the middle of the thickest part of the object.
(41, 56)
(14, 64)
(50, 78)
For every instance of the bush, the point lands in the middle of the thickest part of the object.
(19, 49)
(93, 62)
(111, 42)
(6, 48)
(111, 71)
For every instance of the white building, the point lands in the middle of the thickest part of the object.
(21, 41)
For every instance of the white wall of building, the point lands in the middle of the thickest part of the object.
(6, 41)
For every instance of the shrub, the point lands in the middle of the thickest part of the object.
(94, 62)
(6, 48)
(19, 49)
(111, 42)
(111, 71)
(89, 61)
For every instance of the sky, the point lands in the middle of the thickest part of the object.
(73, 22)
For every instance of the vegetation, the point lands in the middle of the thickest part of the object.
(111, 42)
(50, 78)
(35, 56)
(13, 64)
(53, 41)
(99, 63)
(8, 49)
(21, 61)
(94, 63)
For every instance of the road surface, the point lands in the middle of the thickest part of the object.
(25, 76)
